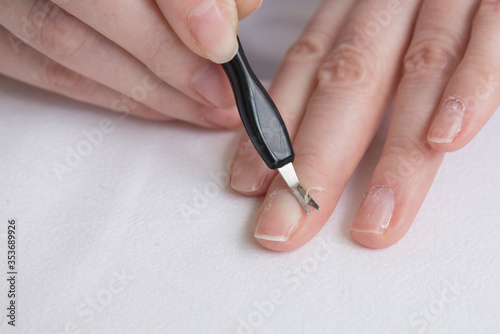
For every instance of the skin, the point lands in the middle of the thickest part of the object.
(126, 55)
(438, 60)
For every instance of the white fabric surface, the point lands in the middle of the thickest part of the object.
(119, 213)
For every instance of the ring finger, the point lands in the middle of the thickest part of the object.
(408, 163)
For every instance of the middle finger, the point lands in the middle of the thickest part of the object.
(289, 94)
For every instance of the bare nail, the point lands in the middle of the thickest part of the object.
(279, 218)
(448, 121)
(375, 212)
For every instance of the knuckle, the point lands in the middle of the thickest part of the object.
(431, 55)
(60, 35)
(157, 54)
(311, 47)
(39, 10)
(349, 67)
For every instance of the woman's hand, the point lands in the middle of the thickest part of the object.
(140, 57)
(441, 61)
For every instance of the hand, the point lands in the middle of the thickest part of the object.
(126, 55)
(441, 61)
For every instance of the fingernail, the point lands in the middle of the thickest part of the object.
(207, 82)
(251, 172)
(279, 218)
(214, 29)
(448, 121)
(375, 212)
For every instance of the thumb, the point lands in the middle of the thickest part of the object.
(207, 27)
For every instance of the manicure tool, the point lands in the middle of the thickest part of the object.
(264, 125)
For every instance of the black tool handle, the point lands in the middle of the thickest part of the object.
(259, 114)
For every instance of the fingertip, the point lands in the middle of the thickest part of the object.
(277, 246)
(374, 241)
(445, 146)
(250, 175)
(223, 57)
(255, 188)
(214, 25)
(390, 236)
(298, 238)
(252, 182)
(246, 7)
(377, 224)
(282, 225)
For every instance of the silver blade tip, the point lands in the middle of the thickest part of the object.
(302, 196)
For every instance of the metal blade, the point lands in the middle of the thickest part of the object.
(291, 179)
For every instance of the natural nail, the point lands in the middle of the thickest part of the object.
(280, 217)
(214, 29)
(448, 121)
(252, 171)
(375, 212)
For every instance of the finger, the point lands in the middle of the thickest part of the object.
(356, 82)
(246, 7)
(155, 44)
(408, 164)
(21, 62)
(473, 93)
(76, 46)
(289, 93)
(207, 27)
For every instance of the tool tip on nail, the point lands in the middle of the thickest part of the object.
(291, 179)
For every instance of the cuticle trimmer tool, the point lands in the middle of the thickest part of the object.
(264, 125)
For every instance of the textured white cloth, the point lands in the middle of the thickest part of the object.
(108, 248)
